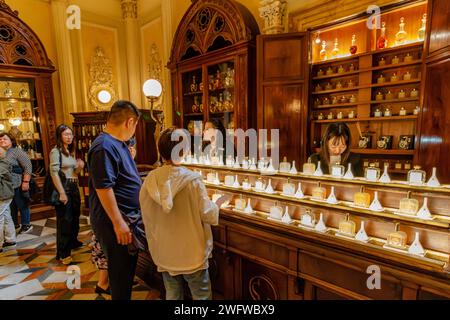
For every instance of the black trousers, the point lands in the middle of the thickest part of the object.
(121, 265)
(68, 221)
(20, 203)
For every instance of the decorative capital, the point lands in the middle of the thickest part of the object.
(5, 7)
(273, 12)
(129, 9)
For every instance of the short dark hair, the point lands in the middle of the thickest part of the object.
(10, 136)
(165, 143)
(122, 110)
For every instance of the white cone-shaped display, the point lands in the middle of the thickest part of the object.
(320, 226)
(424, 212)
(362, 235)
(217, 180)
(220, 164)
(269, 188)
(385, 176)
(299, 194)
(253, 165)
(293, 168)
(349, 174)
(245, 164)
(270, 168)
(416, 247)
(376, 205)
(248, 209)
(286, 217)
(236, 182)
(332, 198)
(236, 164)
(433, 182)
(318, 172)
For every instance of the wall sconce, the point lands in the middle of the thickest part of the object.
(2, 127)
(152, 90)
(317, 40)
(104, 96)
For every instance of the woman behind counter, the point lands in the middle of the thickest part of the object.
(335, 148)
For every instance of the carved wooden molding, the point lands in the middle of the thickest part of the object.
(154, 69)
(261, 286)
(129, 9)
(206, 20)
(19, 45)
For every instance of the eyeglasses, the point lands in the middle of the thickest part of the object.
(67, 134)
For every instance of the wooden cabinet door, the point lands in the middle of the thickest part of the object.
(434, 145)
(282, 91)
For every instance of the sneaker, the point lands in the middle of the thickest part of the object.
(26, 229)
(8, 244)
(66, 260)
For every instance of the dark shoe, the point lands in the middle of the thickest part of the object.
(135, 283)
(1, 250)
(8, 244)
(26, 229)
(77, 245)
(18, 227)
(100, 290)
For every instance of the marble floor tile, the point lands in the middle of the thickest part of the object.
(20, 290)
(14, 278)
(56, 277)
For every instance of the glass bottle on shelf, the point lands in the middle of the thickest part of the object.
(217, 81)
(408, 58)
(334, 100)
(421, 31)
(394, 77)
(397, 239)
(330, 71)
(416, 110)
(389, 95)
(400, 36)
(228, 79)
(361, 198)
(353, 47)
(339, 85)
(309, 167)
(407, 76)
(200, 86)
(220, 103)
(335, 50)
(382, 61)
(211, 82)
(318, 87)
(347, 227)
(320, 73)
(328, 86)
(323, 51)
(382, 40)
(350, 83)
(319, 193)
(195, 105)
(23, 93)
(408, 205)
(26, 113)
(379, 96)
(341, 69)
(402, 111)
(352, 99)
(401, 94)
(7, 92)
(395, 60)
(381, 79)
(351, 68)
(414, 93)
(416, 176)
(194, 86)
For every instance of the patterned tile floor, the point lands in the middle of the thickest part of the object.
(30, 271)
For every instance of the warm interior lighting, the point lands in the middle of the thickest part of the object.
(104, 96)
(152, 88)
(15, 122)
(2, 127)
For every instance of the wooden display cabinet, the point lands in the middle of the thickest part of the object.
(212, 63)
(368, 83)
(270, 259)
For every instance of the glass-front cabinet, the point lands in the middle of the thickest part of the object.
(19, 116)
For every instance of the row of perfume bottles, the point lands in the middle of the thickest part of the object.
(415, 176)
(401, 94)
(222, 103)
(330, 71)
(395, 77)
(335, 100)
(405, 142)
(387, 112)
(396, 60)
(25, 114)
(401, 36)
(216, 81)
(89, 130)
(335, 51)
(84, 144)
(407, 207)
(394, 164)
(9, 93)
(337, 85)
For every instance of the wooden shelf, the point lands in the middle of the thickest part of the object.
(396, 152)
(193, 114)
(197, 93)
(220, 112)
(337, 105)
(374, 119)
(17, 99)
(337, 75)
(390, 101)
(336, 90)
(392, 66)
(395, 83)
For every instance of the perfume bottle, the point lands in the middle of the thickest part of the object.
(397, 239)
(299, 194)
(246, 185)
(421, 31)
(343, 99)
(408, 58)
(381, 79)
(395, 60)
(320, 116)
(194, 87)
(394, 77)
(339, 85)
(424, 212)
(23, 93)
(379, 96)
(414, 93)
(236, 182)
(402, 94)
(248, 209)
(361, 198)
(387, 112)
(347, 227)
(323, 52)
(288, 188)
(293, 168)
(372, 173)
(240, 204)
(286, 218)
(402, 111)
(408, 205)
(351, 68)
(285, 166)
(332, 197)
(7, 92)
(352, 99)
(319, 193)
(340, 115)
(382, 62)
(382, 40)
(318, 172)
(416, 176)
(337, 170)
(318, 87)
(330, 71)
(349, 173)
(407, 76)
(211, 177)
(350, 84)
(335, 100)
(309, 168)
(335, 50)
(385, 176)
(269, 188)
(307, 219)
(351, 114)
(353, 47)
(416, 110)
(400, 36)
(276, 212)
(229, 180)
(341, 69)
(328, 86)
(259, 185)
(330, 116)
(320, 73)
(389, 95)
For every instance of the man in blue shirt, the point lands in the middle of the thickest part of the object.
(114, 186)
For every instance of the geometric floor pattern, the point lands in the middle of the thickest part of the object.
(29, 271)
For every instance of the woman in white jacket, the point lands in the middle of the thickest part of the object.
(178, 215)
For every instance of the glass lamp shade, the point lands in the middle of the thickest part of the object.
(2, 127)
(152, 88)
(104, 96)
(15, 122)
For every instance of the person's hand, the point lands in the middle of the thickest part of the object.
(123, 233)
(80, 164)
(25, 186)
(63, 198)
(223, 199)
